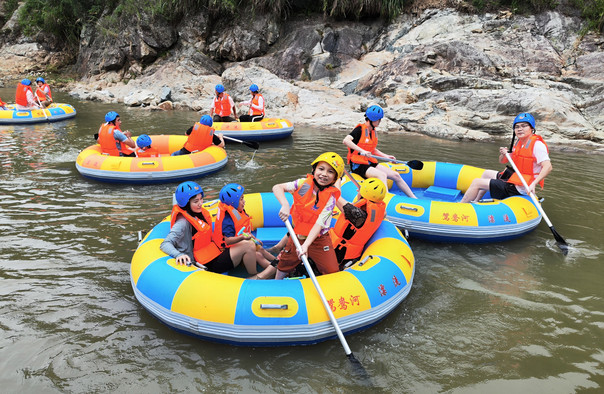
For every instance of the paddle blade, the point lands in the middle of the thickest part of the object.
(561, 242)
(415, 164)
(359, 371)
(252, 144)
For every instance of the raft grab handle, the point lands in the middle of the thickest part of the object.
(273, 306)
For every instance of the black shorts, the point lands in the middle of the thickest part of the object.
(221, 263)
(361, 169)
(501, 189)
(218, 118)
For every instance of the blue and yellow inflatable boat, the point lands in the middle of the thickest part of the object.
(231, 309)
(438, 215)
(268, 129)
(54, 113)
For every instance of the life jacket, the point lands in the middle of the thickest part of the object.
(306, 209)
(256, 101)
(240, 219)
(200, 138)
(21, 95)
(222, 106)
(40, 92)
(2, 103)
(524, 159)
(204, 248)
(149, 152)
(125, 149)
(355, 243)
(107, 140)
(367, 142)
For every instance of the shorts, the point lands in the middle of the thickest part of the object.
(361, 169)
(218, 118)
(501, 189)
(321, 251)
(221, 263)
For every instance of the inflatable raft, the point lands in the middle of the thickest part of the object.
(267, 129)
(93, 164)
(54, 113)
(438, 214)
(231, 309)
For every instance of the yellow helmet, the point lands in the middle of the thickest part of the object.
(373, 189)
(333, 159)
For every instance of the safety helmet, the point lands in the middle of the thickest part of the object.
(111, 115)
(40, 79)
(375, 112)
(254, 87)
(373, 189)
(143, 141)
(26, 82)
(185, 191)
(219, 88)
(231, 193)
(206, 120)
(524, 117)
(333, 159)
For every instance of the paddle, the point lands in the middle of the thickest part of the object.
(41, 106)
(561, 242)
(252, 144)
(413, 164)
(334, 322)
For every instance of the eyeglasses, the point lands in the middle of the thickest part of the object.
(522, 126)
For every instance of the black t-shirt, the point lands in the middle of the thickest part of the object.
(356, 134)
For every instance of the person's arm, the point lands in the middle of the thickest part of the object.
(126, 137)
(279, 192)
(176, 237)
(546, 168)
(502, 151)
(350, 141)
(232, 103)
(323, 222)
(212, 107)
(378, 152)
(218, 140)
(260, 104)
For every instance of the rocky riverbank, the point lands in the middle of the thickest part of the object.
(440, 73)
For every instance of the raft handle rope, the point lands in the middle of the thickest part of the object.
(401, 206)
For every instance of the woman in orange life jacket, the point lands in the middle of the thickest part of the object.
(143, 142)
(531, 156)
(43, 93)
(233, 226)
(191, 241)
(348, 238)
(223, 106)
(256, 104)
(200, 137)
(113, 140)
(24, 96)
(362, 141)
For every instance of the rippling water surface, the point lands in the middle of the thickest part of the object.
(506, 317)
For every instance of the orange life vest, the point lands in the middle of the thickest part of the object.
(107, 140)
(222, 106)
(524, 159)
(355, 244)
(21, 95)
(306, 208)
(256, 101)
(125, 149)
(40, 92)
(200, 138)
(204, 249)
(149, 152)
(368, 142)
(2, 103)
(240, 219)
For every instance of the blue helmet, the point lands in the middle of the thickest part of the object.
(524, 117)
(231, 194)
(254, 87)
(219, 88)
(40, 79)
(185, 191)
(143, 141)
(375, 112)
(26, 82)
(206, 120)
(111, 115)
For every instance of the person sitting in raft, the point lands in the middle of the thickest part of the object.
(191, 241)
(43, 93)
(349, 238)
(2, 104)
(24, 97)
(233, 226)
(114, 141)
(256, 104)
(223, 106)
(362, 141)
(531, 156)
(201, 136)
(143, 142)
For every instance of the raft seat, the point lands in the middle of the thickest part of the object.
(442, 193)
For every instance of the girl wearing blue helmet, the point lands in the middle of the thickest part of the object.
(256, 104)
(43, 93)
(223, 106)
(531, 156)
(361, 142)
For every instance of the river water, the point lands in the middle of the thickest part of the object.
(505, 317)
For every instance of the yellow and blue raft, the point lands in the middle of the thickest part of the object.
(53, 113)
